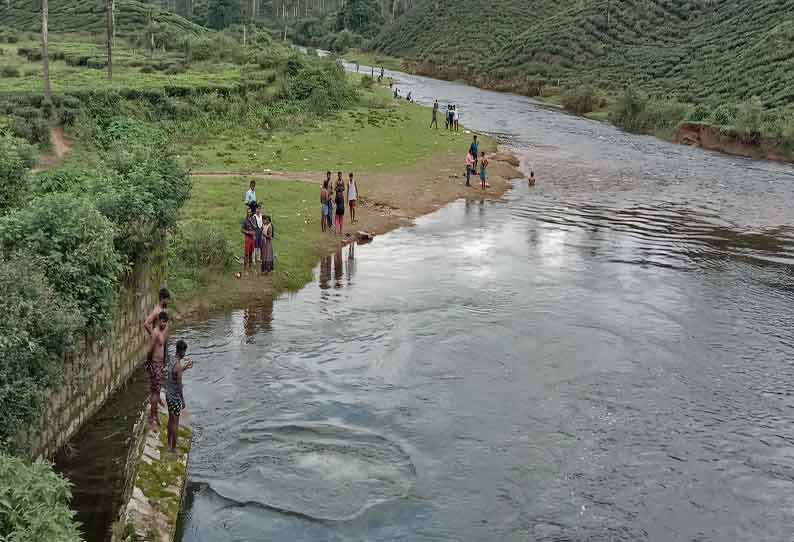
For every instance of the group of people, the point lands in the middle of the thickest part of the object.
(472, 161)
(159, 364)
(257, 230)
(451, 117)
(333, 199)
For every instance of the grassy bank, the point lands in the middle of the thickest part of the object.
(378, 135)
(370, 58)
(385, 140)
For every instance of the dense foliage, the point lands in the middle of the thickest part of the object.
(360, 16)
(697, 49)
(89, 16)
(75, 243)
(39, 327)
(16, 158)
(34, 503)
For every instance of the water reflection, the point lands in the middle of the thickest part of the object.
(338, 269)
(258, 318)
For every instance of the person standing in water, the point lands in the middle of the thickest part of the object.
(352, 197)
(174, 392)
(484, 172)
(531, 178)
(267, 246)
(434, 122)
(340, 204)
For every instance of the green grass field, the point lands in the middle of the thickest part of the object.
(129, 69)
(368, 139)
(219, 201)
(89, 16)
(368, 58)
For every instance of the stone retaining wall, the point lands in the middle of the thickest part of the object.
(91, 376)
(157, 481)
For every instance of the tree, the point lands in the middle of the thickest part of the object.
(223, 13)
(110, 38)
(45, 45)
(361, 16)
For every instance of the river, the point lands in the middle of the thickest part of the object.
(605, 356)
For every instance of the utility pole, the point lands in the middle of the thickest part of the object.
(45, 47)
(110, 34)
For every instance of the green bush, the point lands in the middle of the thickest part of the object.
(579, 100)
(194, 248)
(175, 69)
(16, 158)
(39, 327)
(367, 82)
(65, 179)
(749, 116)
(199, 245)
(9, 71)
(34, 503)
(636, 112)
(627, 110)
(96, 63)
(75, 242)
(725, 115)
(700, 113)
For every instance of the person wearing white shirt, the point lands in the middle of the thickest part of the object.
(352, 197)
(250, 197)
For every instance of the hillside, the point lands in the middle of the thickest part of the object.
(697, 49)
(89, 16)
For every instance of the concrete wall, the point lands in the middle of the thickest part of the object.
(103, 365)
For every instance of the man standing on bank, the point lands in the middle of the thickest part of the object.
(155, 377)
(474, 150)
(155, 362)
(352, 198)
(434, 122)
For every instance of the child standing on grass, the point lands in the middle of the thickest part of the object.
(174, 393)
(484, 172)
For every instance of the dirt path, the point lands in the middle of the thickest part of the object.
(61, 148)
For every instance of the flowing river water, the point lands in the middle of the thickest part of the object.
(605, 356)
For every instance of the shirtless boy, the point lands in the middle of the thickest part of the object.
(154, 365)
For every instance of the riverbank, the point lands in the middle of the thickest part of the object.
(403, 170)
(665, 119)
